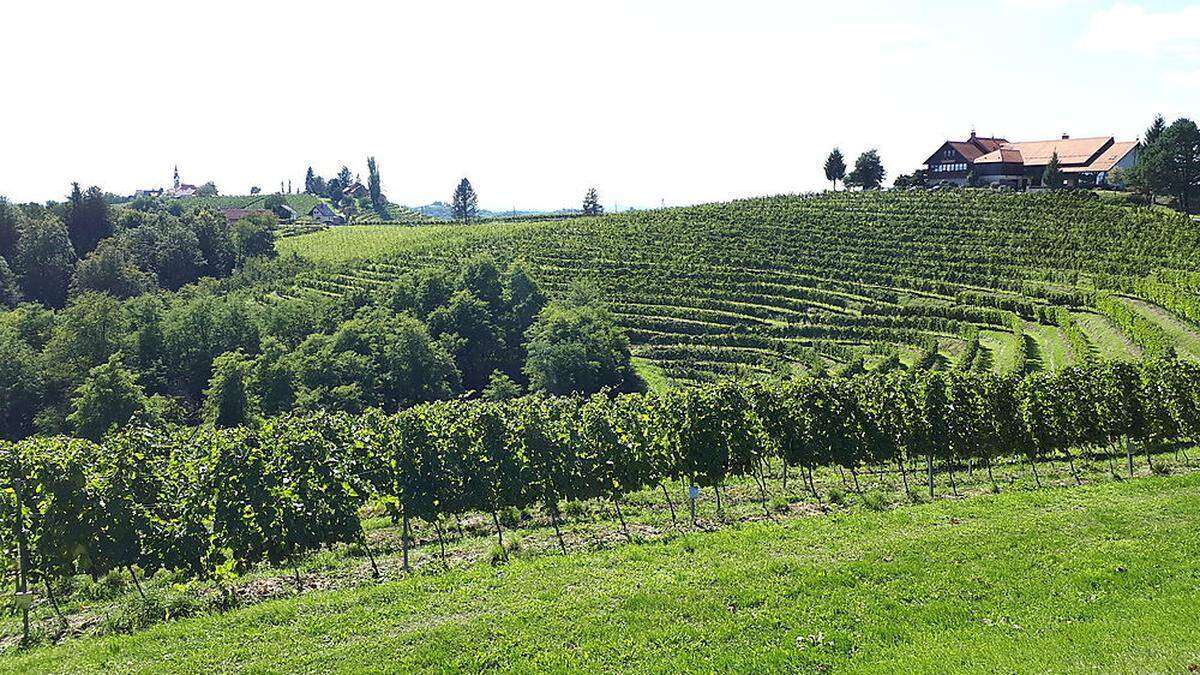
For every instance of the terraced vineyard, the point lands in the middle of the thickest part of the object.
(966, 279)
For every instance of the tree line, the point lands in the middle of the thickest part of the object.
(211, 501)
(52, 253)
(868, 172)
(1168, 163)
(224, 355)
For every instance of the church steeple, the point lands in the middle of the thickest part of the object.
(176, 176)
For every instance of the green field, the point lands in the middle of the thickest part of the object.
(1100, 578)
(789, 283)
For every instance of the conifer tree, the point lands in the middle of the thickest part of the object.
(373, 185)
(465, 203)
(835, 167)
(1052, 177)
(591, 203)
(1156, 128)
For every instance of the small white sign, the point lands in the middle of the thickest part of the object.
(694, 492)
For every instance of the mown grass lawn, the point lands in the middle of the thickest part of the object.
(1103, 578)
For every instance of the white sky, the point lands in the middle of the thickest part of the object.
(535, 101)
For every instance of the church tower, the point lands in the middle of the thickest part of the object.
(176, 176)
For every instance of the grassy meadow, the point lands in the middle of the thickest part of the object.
(1101, 578)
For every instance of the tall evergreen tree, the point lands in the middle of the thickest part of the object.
(465, 203)
(74, 215)
(1156, 128)
(1181, 146)
(835, 167)
(345, 177)
(373, 185)
(310, 181)
(88, 219)
(1052, 176)
(591, 203)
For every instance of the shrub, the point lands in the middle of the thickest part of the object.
(837, 496)
(876, 501)
(575, 510)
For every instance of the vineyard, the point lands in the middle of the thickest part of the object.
(969, 342)
(300, 203)
(1101, 577)
(968, 280)
(207, 503)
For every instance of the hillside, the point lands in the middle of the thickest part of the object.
(1100, 578)
(302, 203)
(977, 279)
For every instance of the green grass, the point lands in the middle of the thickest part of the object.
(1052, 345)
(1108, 338)
(1004, 349)
(1097, 579)
(367, 242)
(1185, 335)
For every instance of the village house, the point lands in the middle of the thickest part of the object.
(285, 213)
(325, 215)
(1020, 165)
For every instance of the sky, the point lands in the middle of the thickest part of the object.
(652, 102)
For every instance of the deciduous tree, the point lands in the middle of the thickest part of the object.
(107, 399)
(868, 173)
(45, 261)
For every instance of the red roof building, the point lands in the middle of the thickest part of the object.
(1020, 165)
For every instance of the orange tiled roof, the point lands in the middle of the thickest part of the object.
(1070, 150)
(1107, 159)
(1005, 155)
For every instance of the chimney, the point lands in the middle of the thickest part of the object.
(1066, 137)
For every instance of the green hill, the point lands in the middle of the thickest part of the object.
(394, 214)
(302, 203)
(801, 283)
(1095, 579)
